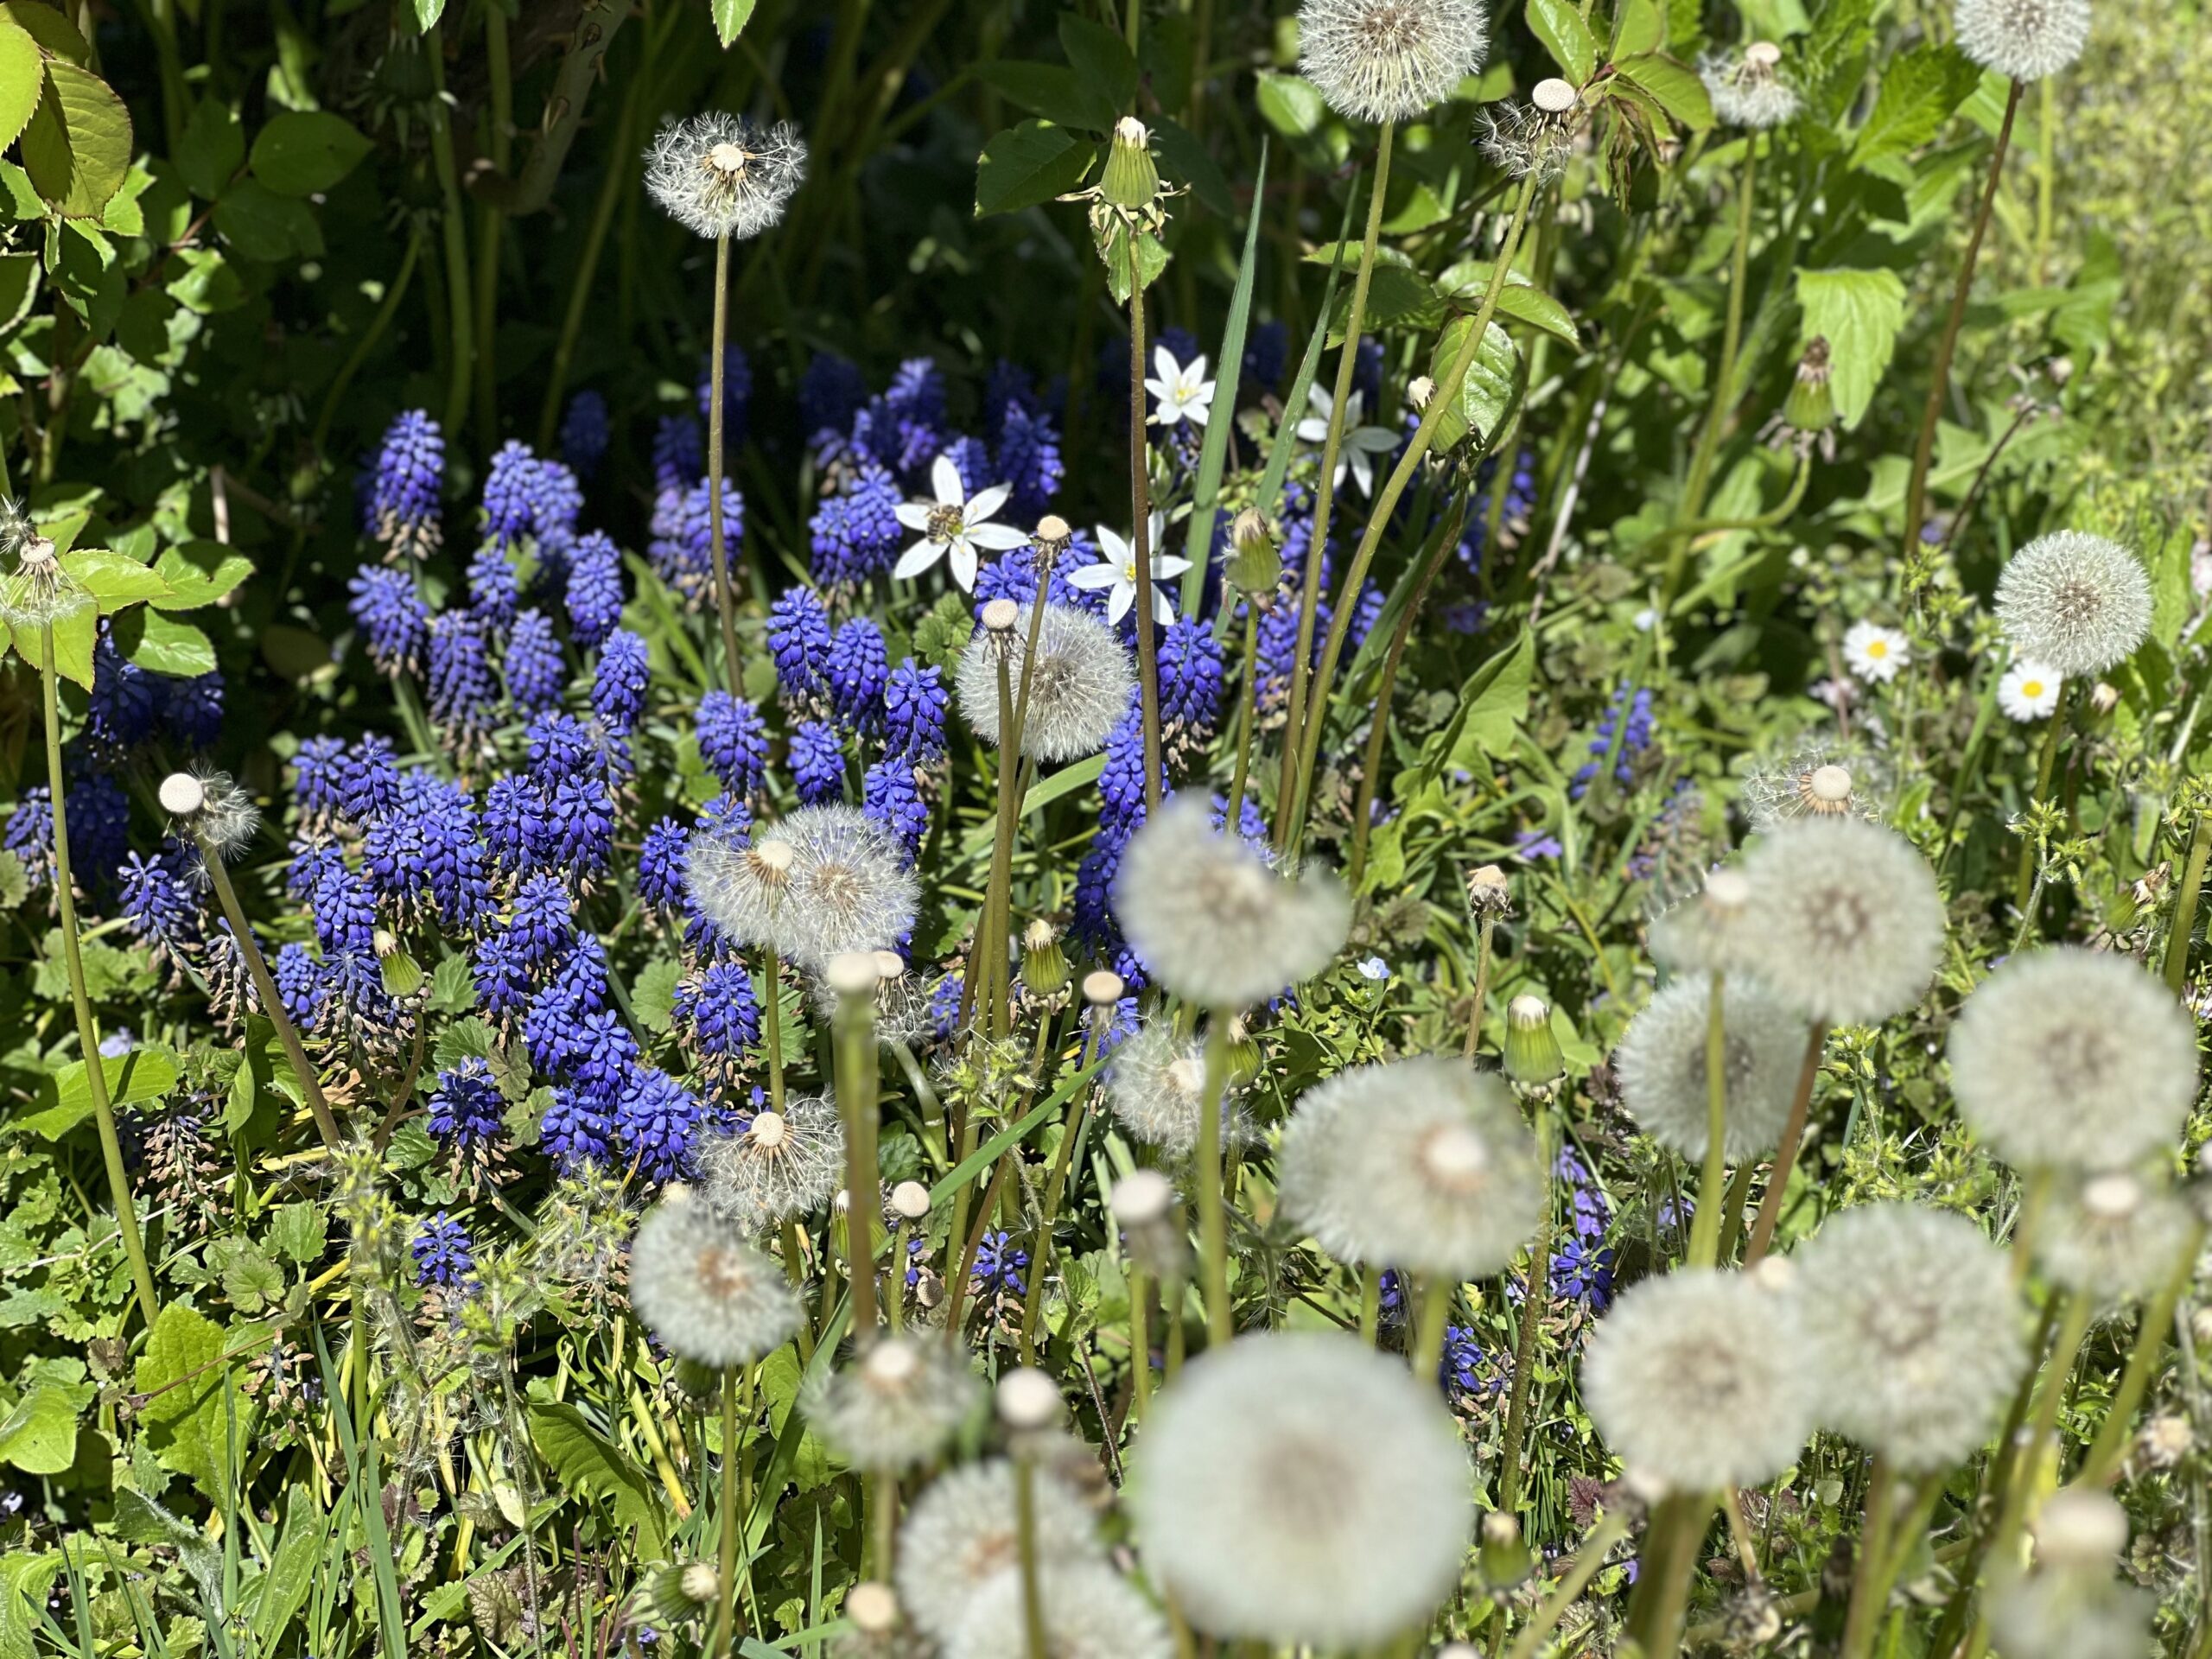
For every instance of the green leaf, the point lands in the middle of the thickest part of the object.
(730, 18)
(1638, 29)
(298, 1232)
(162, 644)
(140, 1520)
(1186, 161)
(1051, 90)
(15, 880)
(40, 1435)
(199, 573)
(192, 1400)
(212, 149)
(261, 224)
(19, 275)
(66, 1094)
(292, 1568)
(1859, 312)
(652, 994)
(77, 145)
(252, 1280)
(1491, 705)
(1228, 369)
(1674, 85)
(453, 986)
(50, 26)
(1290, 104)
(22, 78)
(116, 580)
(1565, 36)
(427, 13)
(1469, 280)
(1028, 164)
(586, 1463)
(305, 152)
(1490, 391)
(1920, 89)
(1101, 60)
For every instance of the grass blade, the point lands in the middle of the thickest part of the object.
(1228, 370)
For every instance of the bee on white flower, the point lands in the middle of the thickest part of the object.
(1875, 654)
(1360, 445)
(2029, 691)
(955, 523)
(1183, 390)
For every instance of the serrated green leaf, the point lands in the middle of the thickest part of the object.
(15, 880)
(1490, 391)
(1469, 280)
(305, 152)
(1050, 91)
(1637, 28)
(251, 1280)
(586, 1463)
(427, 13)
(192, 1399)
(19, 281)
(1565, 36)
(1028, 164)
(1921, 90)
(298, 1232)
(453, 986)
(1858, 313)
(22, 78)
(1674, 85)
(260, 224)
(730, 19)
(652, 994)
(1490, 707)
(50, 26)
(76, 146)
(39, 1436)
(116, 580)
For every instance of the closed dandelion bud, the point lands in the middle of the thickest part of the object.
(1810, 406)
(1131, 181)
(1255, 568)
(681, 1591)
(1506, 1560)
(1244, 1055)
(1044, 964)
(1488, 893)
(2103, 698)
(1532, 1052)
(699, 1383)
(402, 974)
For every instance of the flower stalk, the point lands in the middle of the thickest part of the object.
(1705, 1227)
(1785, 1154)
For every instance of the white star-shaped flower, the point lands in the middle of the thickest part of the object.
(1184, 393)
(956, 523)
(1116, 572)
(2029, 691)
(1360, 445)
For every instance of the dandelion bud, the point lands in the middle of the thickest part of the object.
(1243, 1054)
(402, 974)
(1506, 1560)
(1131, 181)
(1044, 964)
(1532, 1052)
(699, 1582)
(1488, 891)
(910, 1200)
(873, 1607)
(2103, 698)
(678, 1593)
(2079, 1528)
(1255, 566)
(1810, 406)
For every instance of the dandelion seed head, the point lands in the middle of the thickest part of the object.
(705, 1293)
(897, 1405)
(1848, 924)
(1660, 1065)
(1389, 60)
(1705, 933)
(1914, 1329)
(779, 1167)
(2025, 38)
(2080, 1527)
(2074, 1057)
(1090, 1611)
(1267, 1517)
(38, 589)
(959, 1536)
(1079, 685)
(1212, 921)
(1822, 780)
(719, 175)
(1749, 90)
(1699, 1382)
(212, 809)
(2112, 1235)
(1154, 1088)
(1534, 140)
(2069, 1613)
(2076, 603)
(825, 879)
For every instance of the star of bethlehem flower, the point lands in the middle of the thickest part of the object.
(1116, 572)
(2029, 691)
(1183, 390)
(956, 523)
(1360, 445)
(1875, 654)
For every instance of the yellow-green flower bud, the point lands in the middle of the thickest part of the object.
(1044, 964)
(1131, 181)
(1532, 1052)
(1810, 406)
(1255, 566)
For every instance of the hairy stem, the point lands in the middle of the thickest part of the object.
(1785, 1154)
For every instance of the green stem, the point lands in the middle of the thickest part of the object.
(772, 1016)
(88, 1034)
(1662, 1587)
(1055, 1190)
(2185, 902)
(1428, 1333)
(490, 221)
(1731, 1221)
(395, 291)
(1704, 1228)
(458, 316)
(1371, 772)
(726, 1581)
(1141, 535)
(1025, 1511)
(1213, 1222)
(1723, 401)
(2046, 767)
(856, 1098)
(1611, 1528)
(2103, 1461)
(1534, 1290)
(1371, 1304)
(1484, 929)
(1785, 1154)
(1246, 704)
(1140, 1343)
(1869, 1589)
(718, 540)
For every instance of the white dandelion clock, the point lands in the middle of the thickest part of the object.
(1821, 780)
(2027, 40)
(1851, 925)
(1915, 1327)
(1699, 1381)
(2077, 604)
(1874, 653)
(2029, 691)
(1079, 685)
(1662, 1069)
(2074, 1057)
(955, 527)
(897, 1405)
(720, 175)
(36, 588)
(1090, 1612)
(1213, 921)
(777, 1167)
(2113, 1236)
(823, 880)
(705, 1293)
(1534, 140)
(959, 1536)
(212, 809)
(1302, 1488)
(1389, 60)
(1155, 1087)
(1706, 933)
(1749, 90)
(1115, 574)
(1422, 1164)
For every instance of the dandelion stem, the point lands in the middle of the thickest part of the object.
(2185, 902)
(1733, 1208)
(1309, 598)
(1140, 1342)
(1378, 730)
(1724, 371)
(1247, 699)
(1141, 535)
(1588, 1558)
(718, 540)
(88, 1034)
(1055, 1190)
(2046, 766)
(856, 1097)
(726, 1581)
(1484, 929)
(1785, 1154)
(1370, 1303)
(1025, 1513)
(460, 317)
(1213, 1223)
(1428, 1334)
(772, 1013)
(2103, 1461)
(1533, 1291)
(1705, 1226)
(883, 1511)
(1870, 1587)
(998, 899)
(1923, 454)
(795, 1270)
(1662, 1585)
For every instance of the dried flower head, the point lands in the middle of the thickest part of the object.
(1213, 921)
(1849, 925)
(825, 879)
(1914, 1324)
(2076, 603)
(1534, 140)
(212, 809)
(2025, 38)
(719, 175)
(703, 1291)
(897, 1405)
(1090, 1612)
(2074, 1057)
(1821, 780)
(1660, 1065)
(35, 588)
(960, 1536)
(1389, 60)
(1749, 90)
(1302, 1488)
(1699, 1381)
(778, 1166)
(2114, 1236)
(1420, 1164)
(1079, 685)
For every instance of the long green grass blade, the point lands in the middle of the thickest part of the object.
(1197, 539)
(362, 1488)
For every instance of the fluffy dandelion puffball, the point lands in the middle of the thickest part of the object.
(1533, 140)
(1422, 1165)
(779, 1166)
(897, 1404)
(2076, 603)
(959, 1536)
(1389, 60)
(2025, 38)
(720, 175)
(1090, 1612)
(1822, 780)
(1079, 685)
(1155, 1087)
(1660, 1065)
(2074, 1057)
(1850, 926)
(1213, 922)
(2114, 1236)
(1698, 1380)
(703, 1291)
(1914, 1324)
(1706, 932)
(1302, 1488)
(1749, 90)
(35, 587)
(2069, 1613)
(211, 808)
(825, 879)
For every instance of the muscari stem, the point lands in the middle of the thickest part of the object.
(2185, 903)
(1724, 371)
(1213, 1222)
(1140, 542)
(88, 1034)
(1785, 1155)
(717, 539)
(1705, 1227)
(1309, 598)
(1916, 494)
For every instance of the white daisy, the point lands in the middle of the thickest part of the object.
(1875, 654)
(1116, 572)
(956, 522)
(1360, 444)
(1184, 391)
(2029, 691)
